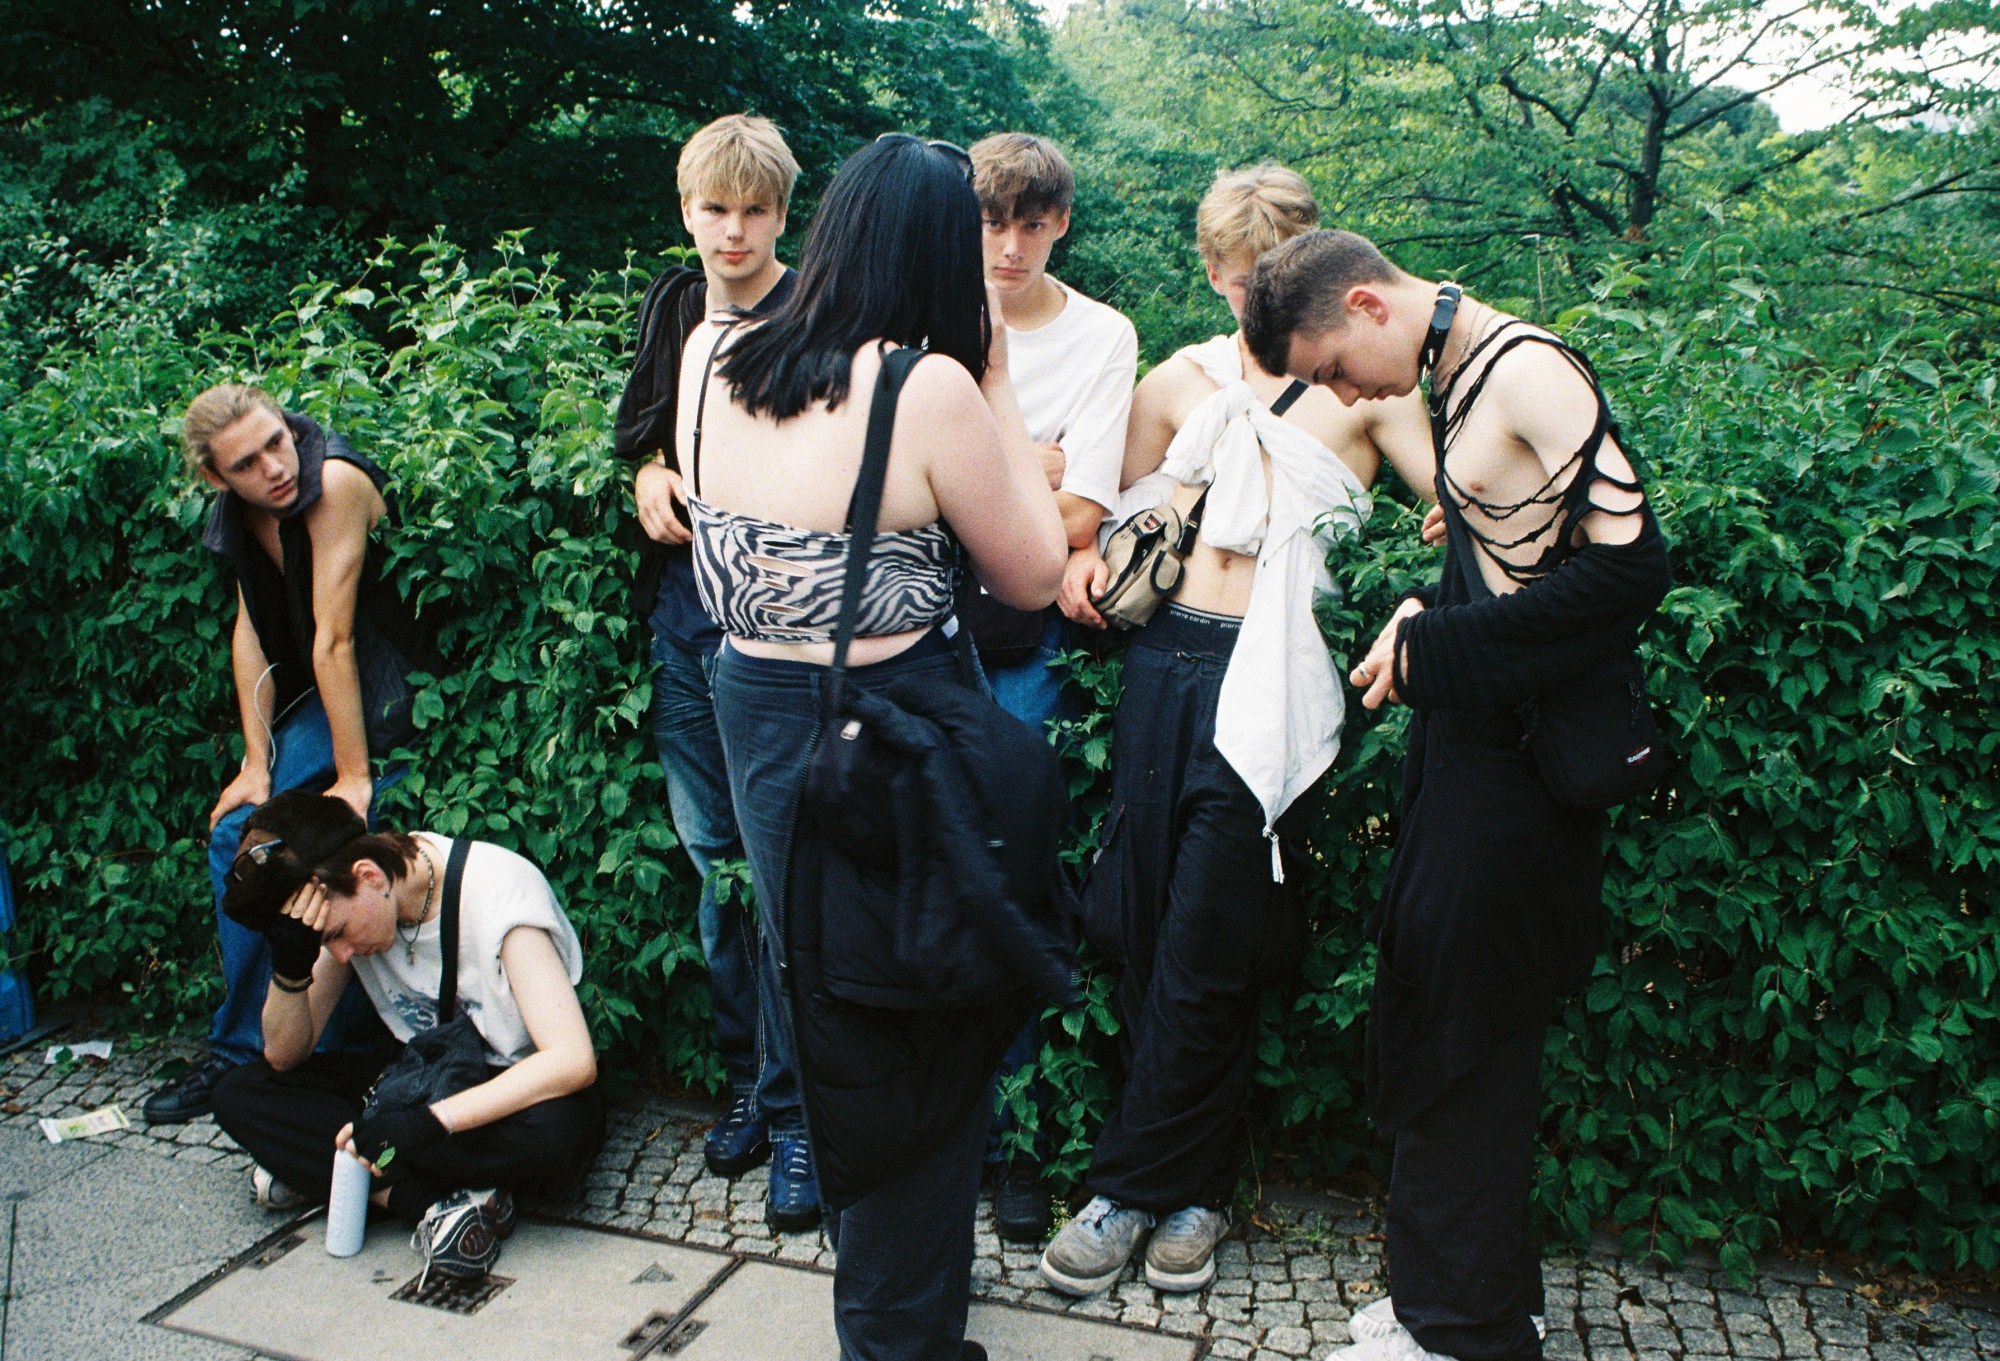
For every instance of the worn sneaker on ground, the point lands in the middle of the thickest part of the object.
(1092, 1249)
(1394, 1346)
(738, 1141)
(456, 1237)
(1379, 1320)
(272, 1194)
(1180, 1255)
(793, 1202)
(1021, 1211)
(499, 1209)
(187, 1096)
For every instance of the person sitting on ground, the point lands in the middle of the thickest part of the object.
(320, 652)
(1492, 907)
(339, 904)
(772, 435)
(1231, 710)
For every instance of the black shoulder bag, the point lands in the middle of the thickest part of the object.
(450, 1056)
(938, 815)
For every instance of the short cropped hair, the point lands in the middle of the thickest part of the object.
(310, 836)
(215, 411)
(1017, 174)
(1301, 286)
(1251, 211)
(739, 156)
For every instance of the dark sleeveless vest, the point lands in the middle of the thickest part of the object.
(388, 641)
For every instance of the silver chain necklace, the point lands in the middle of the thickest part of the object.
(430, 891)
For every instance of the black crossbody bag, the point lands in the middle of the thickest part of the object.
(450, 1056)
(956, 899)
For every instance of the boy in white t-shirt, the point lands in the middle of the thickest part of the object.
(339, 904)
(1073, 362)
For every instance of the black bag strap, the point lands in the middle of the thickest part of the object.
(1291, 394)
(454, 877)
(865, 507)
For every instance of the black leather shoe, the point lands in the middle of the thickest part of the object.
(973, 1352)
(187, 1096)
(1021, 1203)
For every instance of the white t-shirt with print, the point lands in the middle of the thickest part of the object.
(1074, 380)
(500, 891)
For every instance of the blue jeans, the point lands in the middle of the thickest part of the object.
(1032, 691)
(303, 748)
(905, 1248)
(756, 1051)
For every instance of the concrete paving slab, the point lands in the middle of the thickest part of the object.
(569, 1292)
(131, 1214)
(29, 1162)
(97, 1323)
(779, 1313)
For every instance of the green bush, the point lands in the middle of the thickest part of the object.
(1792, 1033)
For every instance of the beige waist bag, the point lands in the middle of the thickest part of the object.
(1148, 553)
(1147, 556)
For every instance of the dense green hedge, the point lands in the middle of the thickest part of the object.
(1792, 1033)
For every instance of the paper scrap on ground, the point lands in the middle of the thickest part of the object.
(103, 1120)
(89, 1049)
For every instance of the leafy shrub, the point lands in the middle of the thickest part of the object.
(1792, 1033)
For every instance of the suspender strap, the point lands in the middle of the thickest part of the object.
(864, 508)
(454, 875)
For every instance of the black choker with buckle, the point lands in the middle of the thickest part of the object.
(1441, 319)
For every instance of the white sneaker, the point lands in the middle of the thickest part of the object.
(1379, 1320)
(1091, 1251)
(1393, 1346)
(1181, 1253)
(272, 1194)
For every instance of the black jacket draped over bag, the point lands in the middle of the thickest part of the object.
(925, 905)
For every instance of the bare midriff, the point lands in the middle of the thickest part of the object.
(1215, 579)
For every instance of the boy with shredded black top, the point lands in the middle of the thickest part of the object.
(1492, 908)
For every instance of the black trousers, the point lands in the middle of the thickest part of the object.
(286, 1122)
(1183, 904)
(1463, 1267)
(902, 1276)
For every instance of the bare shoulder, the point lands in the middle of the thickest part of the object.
(1538, 386)
(938, 386)
(1173, 389)
(346, 494)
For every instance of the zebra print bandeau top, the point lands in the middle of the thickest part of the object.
(776, 583)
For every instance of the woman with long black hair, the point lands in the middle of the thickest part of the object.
(775, 418)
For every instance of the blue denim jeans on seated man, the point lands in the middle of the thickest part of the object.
(303, 747)
(756, 1051)
(1032, 691)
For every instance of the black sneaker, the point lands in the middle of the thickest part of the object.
(188, 1095)
(456, 1237)
(1021, 1211)
(738, 1141)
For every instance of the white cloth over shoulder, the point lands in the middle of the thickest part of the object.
(1279, 715)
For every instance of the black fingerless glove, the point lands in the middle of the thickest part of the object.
(294, 948)
(387, 1135)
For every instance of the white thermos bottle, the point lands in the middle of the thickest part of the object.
(347, 1207)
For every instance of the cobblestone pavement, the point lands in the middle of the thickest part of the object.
(1281, 1291)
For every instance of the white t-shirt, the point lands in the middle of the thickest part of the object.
(500, 891)
(1074, 379)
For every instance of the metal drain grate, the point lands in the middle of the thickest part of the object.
(277, 1250)
(452, 1294)
(658, 1335)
